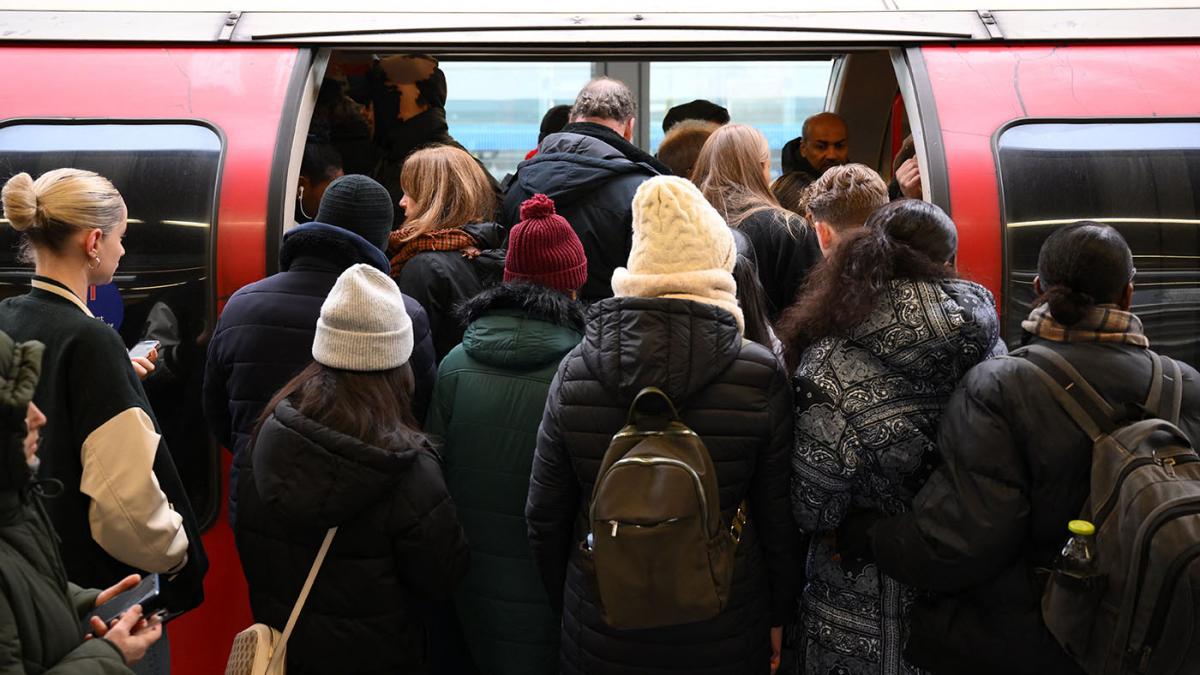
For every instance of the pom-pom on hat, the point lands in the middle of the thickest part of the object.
(363, 325)
(682, 248)
(543, 249)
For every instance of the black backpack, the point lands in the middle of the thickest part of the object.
(1140, 611)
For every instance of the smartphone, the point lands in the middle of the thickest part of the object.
(148, 594)
(143, 348)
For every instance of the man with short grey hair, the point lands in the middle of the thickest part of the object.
(591, 170)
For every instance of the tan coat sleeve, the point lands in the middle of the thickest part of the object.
(130, 516)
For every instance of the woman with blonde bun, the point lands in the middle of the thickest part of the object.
(122, 507)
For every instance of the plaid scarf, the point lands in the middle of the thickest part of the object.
(402, 249)
(1102, 323)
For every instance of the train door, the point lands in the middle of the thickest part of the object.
(190, 136)
(1031, 137)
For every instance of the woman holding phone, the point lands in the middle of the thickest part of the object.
(122, 508)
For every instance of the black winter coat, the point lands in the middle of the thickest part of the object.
(735, 395)
(265, 334)
(784, 256)
(1016, 470)
(398, 545)
(443, 280)
(591, 173)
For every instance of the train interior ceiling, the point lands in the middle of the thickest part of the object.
(494, 107)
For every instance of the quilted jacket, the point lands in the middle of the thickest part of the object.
(735, 395)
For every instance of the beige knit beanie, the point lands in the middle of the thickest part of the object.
(682, 248)
(363, 324)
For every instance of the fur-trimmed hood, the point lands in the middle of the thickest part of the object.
(520, 325)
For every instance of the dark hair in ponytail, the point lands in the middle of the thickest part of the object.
(1081, 265)
(907, 239)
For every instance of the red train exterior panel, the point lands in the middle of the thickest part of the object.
(241, 91)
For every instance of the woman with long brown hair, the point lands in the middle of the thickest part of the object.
(338, 447)
(880, 336)
(438, 256)
(733, 172)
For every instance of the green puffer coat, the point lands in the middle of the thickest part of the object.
(488, 402)
(40, 611)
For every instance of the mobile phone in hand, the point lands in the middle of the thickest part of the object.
(143, 349)
(148, 594)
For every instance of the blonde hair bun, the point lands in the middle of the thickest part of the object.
(20, 202)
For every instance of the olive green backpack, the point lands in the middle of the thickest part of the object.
(661, 554)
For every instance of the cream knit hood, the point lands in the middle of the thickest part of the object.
(682, 248)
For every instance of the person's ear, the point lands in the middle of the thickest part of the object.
(628, 134)
(91, 242)
(1126, 301)
(825, 236)
(1037, 287)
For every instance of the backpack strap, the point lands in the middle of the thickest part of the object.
(1171, 378)
(1077, 397)
(308, 584)
(1157, 384)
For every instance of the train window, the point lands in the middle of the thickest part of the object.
(167, 172)
(494, 108)
(1143, 178)
(773, 96)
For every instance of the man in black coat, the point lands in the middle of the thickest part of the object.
(591, 170)
(823, 144)
(1017, 470)
(265, 334)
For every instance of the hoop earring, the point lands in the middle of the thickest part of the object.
(95, 260)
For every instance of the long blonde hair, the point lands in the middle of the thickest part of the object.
(47, 211)
(446, 188)
(729, 172)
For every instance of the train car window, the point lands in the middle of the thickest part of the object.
(494, 108)
(773, 96)
(168, 175)
(1143, 178)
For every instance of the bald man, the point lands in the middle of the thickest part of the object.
(824, 143)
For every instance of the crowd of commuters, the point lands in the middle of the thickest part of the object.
(436, 392)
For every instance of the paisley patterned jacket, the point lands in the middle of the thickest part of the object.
(868, 405)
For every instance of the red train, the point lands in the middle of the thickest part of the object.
(1022, 120)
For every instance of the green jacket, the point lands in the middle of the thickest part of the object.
(41, 629)
(487, 405)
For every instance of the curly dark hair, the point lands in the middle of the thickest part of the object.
(907, 239)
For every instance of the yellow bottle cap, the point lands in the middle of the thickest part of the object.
(1081, 527)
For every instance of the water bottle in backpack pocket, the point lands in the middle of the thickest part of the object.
(1140, 611)
(661, 553)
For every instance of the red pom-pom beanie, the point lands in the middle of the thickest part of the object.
(543, 249)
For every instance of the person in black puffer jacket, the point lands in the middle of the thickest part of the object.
(264, 335)
(733, 172)
(339, 447)
(447, 251)
(591, 170)
(1016, 469)
(676, 325)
